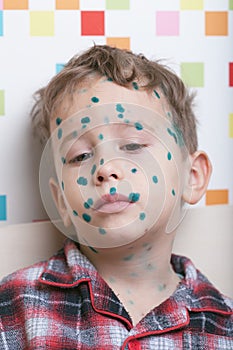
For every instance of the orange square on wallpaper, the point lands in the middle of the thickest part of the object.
(216, 23)
(67, 4)
(15, 4)
(217, 197)
(121, 43)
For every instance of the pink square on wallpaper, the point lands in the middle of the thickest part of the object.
(167, 23)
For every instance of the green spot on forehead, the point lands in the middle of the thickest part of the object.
(85, 120)
(135, 85)
(86, 217)
(120, 115)
(169, 156)
(157, 94)
(75, 213)
(58, 120)
(62, 185)
(173, 192)
(59, 133)
(120, 108)
(155, 179)
(101, 161)
(82, 181)
(134, 170)
(63, 160)
(138, 126)
(100, 136)
(95, 99)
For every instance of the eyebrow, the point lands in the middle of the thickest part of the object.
(123, 126)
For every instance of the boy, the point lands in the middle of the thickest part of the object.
(123, 136)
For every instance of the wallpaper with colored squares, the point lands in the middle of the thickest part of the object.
(37, 37)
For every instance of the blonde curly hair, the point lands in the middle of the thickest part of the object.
(123, 67)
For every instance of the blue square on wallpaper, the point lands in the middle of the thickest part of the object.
(59, 67)
(1, 23)
(2, 208)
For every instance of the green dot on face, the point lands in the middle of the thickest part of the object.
(62, 185)
(85, 120)
(102, 231)
(120, 108)
(93, 169)
(120, 115)
(75, 213)
(74, 134)
(86, 217)
(59, 133)
(138, 126)
(155, 179)
(88, 203)
(100, 136)
(112, 190)
(134, 170)
(95, 99)
(135, 85)
(156, 94)
(134, 197)
(169, 156)
(173, 192)
(142, 216)
(82, 181)
(63, 160)
(101, 161)
(58, 121)
(172, 134)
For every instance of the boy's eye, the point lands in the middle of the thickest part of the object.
(132, 147)
(80, 158)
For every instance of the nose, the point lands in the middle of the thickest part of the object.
(108, 172)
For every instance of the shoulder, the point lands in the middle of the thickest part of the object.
(26, 278)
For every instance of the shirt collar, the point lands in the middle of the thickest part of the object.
(70, 267)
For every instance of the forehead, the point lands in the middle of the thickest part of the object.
(102, 91)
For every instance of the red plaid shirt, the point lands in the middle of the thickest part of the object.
(65, 304)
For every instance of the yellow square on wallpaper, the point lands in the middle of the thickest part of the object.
(231, 125)
(121, 43)
(42, 23)
(191, 4)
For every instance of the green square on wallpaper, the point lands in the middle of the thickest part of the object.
(117, 4)
(230, 4)
(192, 73)
(2, 102)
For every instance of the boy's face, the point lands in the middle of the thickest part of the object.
(119, 162)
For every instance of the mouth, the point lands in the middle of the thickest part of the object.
(112, 203)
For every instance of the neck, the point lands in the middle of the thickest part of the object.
(138, 271)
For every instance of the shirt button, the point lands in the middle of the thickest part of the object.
(134, 345)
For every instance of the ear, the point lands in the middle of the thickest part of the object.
(59, 201)
(198, 177)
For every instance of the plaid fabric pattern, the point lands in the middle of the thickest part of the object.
(64, 304)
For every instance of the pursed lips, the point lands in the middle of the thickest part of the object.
(110, 203)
